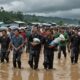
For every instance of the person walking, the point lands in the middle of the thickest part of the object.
(17, 43)
(5, 42)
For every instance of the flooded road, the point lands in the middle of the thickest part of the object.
(63, 70)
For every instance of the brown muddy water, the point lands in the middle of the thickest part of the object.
(64, 70)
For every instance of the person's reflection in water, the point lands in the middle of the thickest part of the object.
(17, 75)
(62, 63)
(33, 75)
(74, 72)
(4, 72)
(48, 75)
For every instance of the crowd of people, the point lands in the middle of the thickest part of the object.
(64, 40)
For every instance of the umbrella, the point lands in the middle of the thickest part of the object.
(3, 28)
(14, 27)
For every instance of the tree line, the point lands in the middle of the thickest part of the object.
(9, 17)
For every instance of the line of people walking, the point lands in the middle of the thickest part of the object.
(64, 41)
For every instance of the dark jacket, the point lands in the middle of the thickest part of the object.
(37, 47)
(75, 41)
(4, 41)
(47, 41)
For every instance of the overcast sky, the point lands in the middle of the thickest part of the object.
(55, 8)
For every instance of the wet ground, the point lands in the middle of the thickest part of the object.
(64, 70)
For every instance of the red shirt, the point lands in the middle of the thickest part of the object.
(23, 34)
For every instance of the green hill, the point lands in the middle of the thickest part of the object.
(33, 18)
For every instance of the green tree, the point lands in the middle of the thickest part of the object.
(19, 15)
(60, 23)
(1, 9)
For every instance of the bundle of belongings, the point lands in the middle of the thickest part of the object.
(56, 41)
(36, 41)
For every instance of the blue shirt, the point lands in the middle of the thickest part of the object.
(17, 41)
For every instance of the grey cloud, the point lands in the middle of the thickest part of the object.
(61, 8)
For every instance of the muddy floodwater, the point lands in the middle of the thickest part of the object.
(64, 70)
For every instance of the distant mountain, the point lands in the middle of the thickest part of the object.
(33, 18)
